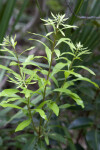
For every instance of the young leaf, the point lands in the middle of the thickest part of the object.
(54, 107)
(23, 125)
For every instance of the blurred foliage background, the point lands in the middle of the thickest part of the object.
(79, 129)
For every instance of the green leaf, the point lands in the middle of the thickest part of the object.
(48, 34)
(5, 68)
(13, 63)
(58, 67)
(57, 52)
(57, 137)
(27, 50)
(68, 72)
(27, 92)
(46, 139)
(42, 113)
(65, 106)
(23, 125)
(68, 84)
(9, 51)
(88, 80)
(11, 99)
(42, 104)
(72, 95)
(48, 53)
(54, 107)
(62, 40)
(69, 53)
(61, 31)
(29, 58)
(81, 122)
(89, 70)
(8, 92)
(54, 80)
(10, 105)
(42, 35)
(30, 63)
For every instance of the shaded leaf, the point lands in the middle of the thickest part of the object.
(81, 122)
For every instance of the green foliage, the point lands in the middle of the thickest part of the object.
(49, 94)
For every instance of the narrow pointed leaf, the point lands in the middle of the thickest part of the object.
(23, 125)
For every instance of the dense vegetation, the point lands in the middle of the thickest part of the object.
(49, 84)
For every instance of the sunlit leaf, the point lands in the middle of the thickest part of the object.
(23, 125)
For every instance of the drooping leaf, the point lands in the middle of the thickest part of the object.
(48, 53)
(89, 70)
(23, 125)
(72, 95)
(54, 107)
(57, 137)
(88, 80)
(8, 92)
(68, 84)
(42, 113)
(65, 106)
(27, 50)
(30, 63)
(9, 51)
(11, 99)
(58, 67)
(62, 40)
(46, 139)
(10, 105)
(57, 52)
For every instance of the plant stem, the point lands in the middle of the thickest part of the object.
(44, 94)
(30, 115)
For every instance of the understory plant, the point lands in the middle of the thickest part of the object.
(47, 82)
